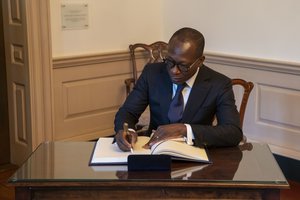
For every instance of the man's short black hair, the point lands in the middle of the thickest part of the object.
(190, 35)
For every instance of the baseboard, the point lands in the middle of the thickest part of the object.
(290, 167)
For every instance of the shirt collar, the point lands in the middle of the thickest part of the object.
(191, 81)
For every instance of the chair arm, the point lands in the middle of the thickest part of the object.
(129, 83)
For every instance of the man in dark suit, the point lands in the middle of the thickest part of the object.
(206, 94)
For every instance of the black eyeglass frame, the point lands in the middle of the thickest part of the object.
(183, 68)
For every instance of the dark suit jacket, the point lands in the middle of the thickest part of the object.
(211, 95)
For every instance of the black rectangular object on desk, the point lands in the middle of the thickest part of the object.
(149, 163)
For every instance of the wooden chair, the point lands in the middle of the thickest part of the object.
(247, 88)
(156, 52)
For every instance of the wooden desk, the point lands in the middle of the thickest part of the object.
(59, 170)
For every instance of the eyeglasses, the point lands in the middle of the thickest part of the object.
(183, 68)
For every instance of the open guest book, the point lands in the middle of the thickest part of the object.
(106, 152)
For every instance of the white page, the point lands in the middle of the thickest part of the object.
(105, 152)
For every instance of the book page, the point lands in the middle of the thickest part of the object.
(180, 150)
(106, 153)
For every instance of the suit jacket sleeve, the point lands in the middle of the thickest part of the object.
(134, 105)
(227, 132)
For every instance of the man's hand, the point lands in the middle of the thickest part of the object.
(167, 132)
(126, 140)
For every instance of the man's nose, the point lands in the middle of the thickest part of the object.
(175, 70)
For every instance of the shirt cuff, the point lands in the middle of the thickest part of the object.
(189, 135)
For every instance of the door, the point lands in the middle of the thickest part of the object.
(28, 68)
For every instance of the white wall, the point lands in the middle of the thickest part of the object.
(113, 25)
(268, 29)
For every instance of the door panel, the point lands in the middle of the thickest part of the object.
(17, 77)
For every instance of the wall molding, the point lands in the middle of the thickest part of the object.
(211, 57)
(253, 63)
(89, 59)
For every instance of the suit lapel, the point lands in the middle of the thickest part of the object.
(165, 91)
(198, 94)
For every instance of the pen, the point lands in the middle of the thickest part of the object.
(125, 128)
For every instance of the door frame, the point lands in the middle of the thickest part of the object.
(40, 58)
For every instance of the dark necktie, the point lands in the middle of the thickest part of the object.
(176, 106)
